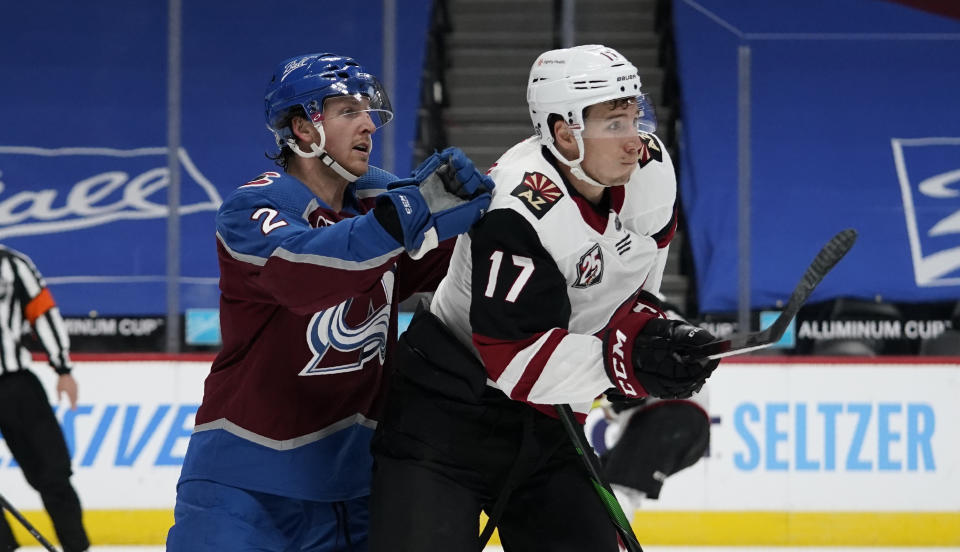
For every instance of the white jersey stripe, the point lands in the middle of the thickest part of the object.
(576, 370)
(9, 332)
(519, 363)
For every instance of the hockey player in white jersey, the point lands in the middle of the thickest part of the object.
(549, 300)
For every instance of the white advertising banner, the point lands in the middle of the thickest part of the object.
(827, 437)
(785, 437)
(127, 435)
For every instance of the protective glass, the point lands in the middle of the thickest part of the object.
(621, 118)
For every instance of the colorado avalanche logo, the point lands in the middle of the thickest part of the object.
(590, 268)
(329, 331)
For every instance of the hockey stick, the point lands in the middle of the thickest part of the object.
(4, 505)
(744, 342)
(575, 432)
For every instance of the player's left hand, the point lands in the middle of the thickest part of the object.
(454, 193)
(457, 173)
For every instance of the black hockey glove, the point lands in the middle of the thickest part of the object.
(619, 403)
(644, 353)
(618, 336)
(660, 361)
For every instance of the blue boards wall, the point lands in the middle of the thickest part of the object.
(83, 178)
(855, 122)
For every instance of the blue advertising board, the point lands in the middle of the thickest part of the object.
(854, 123)
(83, 156)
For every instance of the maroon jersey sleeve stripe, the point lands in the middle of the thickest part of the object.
(665, 235)
(497, 353)
(534, 368)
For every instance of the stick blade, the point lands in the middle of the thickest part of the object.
(743, 342)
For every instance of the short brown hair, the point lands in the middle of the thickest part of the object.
(611, 104)
(282, 157)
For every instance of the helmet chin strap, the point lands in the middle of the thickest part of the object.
(325, 158)
(575, 168)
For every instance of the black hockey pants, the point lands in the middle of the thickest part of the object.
(449, 446)
(34, 437)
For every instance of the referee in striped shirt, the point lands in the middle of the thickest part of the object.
(27, 421)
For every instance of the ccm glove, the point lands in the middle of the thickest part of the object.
(445, 196)
(618, 337)
(647, 354)
(661, 361)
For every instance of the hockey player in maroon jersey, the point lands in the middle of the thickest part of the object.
(549, 300)
(313, 262)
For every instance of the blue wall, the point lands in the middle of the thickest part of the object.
(93, 75)
(855, 122)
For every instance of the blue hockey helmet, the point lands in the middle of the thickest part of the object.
(308, 80)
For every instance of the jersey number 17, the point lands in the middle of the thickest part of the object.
(526, 270)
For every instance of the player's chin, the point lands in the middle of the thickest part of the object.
(619, 180)
(360, 164)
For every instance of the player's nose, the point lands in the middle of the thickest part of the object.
(366, 124)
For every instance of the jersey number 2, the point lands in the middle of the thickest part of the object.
(268, 225)
(526, 270)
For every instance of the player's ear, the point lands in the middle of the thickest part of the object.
(302, 128)
(562, 133)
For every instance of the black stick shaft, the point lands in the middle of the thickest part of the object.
(745, 341)
(4, 505)
(619, 519)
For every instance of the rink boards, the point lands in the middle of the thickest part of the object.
(823, 452)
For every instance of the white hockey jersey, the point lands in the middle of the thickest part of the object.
(540, 275)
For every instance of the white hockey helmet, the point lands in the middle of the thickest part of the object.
(568, 80)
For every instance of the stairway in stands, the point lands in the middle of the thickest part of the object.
(490, 48)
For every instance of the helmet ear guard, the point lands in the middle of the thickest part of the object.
(306, 82)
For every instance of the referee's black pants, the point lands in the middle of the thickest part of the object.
(34, 437)
(440, 459)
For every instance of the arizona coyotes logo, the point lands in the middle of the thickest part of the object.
(538, 193)
(590, 268)
(333, 339)
(649, 150)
